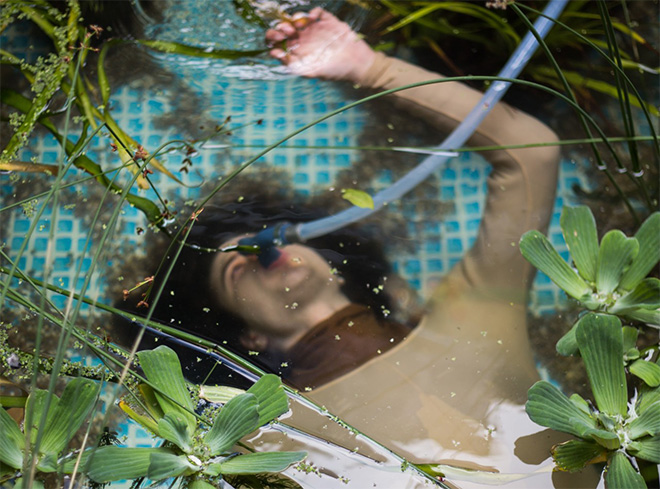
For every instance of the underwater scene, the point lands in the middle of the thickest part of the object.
(329, 243)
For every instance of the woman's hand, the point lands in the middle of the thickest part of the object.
(319, 45)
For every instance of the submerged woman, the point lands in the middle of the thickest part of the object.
(452, 388)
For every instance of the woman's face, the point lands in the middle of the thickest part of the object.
(295, 292)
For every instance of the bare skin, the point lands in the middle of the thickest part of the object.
(319, 45)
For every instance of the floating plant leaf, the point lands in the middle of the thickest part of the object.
(600, 340)
(12, 441)
(646, 295)
(539, 252)
(630, 335)
(358, 198)
(163, 370)
(218, 394)
(647, 398)
(174, 428)
(647, 448)
(647, 316)
(615, 255)
(648, 422)
(606, 439)
(574, 455)
(163, 465)
(621, 474)
(548, 406)
(112, 463)
(579, 228)
(271, 398)
(648, 237)
(254, 463)
(236, 419)
(649, 372)
(567, 344)
(69, 414)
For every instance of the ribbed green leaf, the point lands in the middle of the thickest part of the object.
(567, 344)
(173, 428)
(649, 372)
(647, 397)
(646, 295)
(151, 401)
(630, 335)
(218, 394)
(647, 448)
(648, 422)
(548, 407)
(615, 255)
(37, 404)
(647, 316)
(600, 339)
(254, 463)
(621, 474)
(165, 465)
(271, 398)
(606, 439)
(574, 455)
(579, 228)
(163, 369)
(580, 403)
(12, 441)
(75, 405)
(112, 463)
(648, 237)
(539, 252)
(237, 418)
(47, 462)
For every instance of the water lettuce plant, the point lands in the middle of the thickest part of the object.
(609, 280)
(609, 277)
(43, 441)
(615, 430)
(198, 449)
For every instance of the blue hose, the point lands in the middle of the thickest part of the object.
(267, 240)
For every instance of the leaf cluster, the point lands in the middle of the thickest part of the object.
(198, 449)
(609, 280)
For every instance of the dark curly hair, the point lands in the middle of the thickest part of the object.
(188, 304)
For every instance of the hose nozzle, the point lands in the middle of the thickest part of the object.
(265, 242)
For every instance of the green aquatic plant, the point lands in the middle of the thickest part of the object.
(42, 443)
(610, 281)
(615, 430)
(200, 450)
(609, 277)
